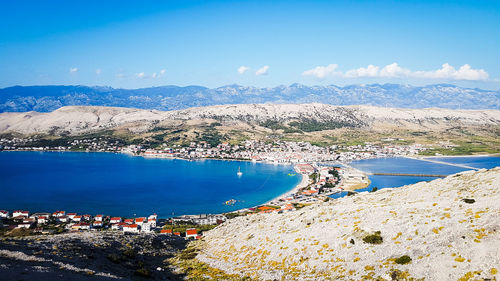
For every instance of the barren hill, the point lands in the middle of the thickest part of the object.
(441, 230)
(75, 120)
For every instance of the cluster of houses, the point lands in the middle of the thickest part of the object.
(277, 151)
(76, 222)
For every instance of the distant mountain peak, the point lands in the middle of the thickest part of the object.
(171, 97)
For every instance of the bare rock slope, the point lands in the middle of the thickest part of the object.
(86, 119)
(426, 230)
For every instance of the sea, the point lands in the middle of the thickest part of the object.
(413, 166)
(129, 186)
(124, 185)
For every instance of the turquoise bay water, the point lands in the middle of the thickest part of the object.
(412, 166)
(122, 185)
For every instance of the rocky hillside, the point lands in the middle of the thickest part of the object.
(96, 255)
(49, 98)
(447, 229)
(86, 119)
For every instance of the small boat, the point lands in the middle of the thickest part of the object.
(291, 175)
(230, 202)
(239, 173)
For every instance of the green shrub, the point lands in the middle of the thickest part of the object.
(129, 253)
(188, 254)
(375, 238)
(114, 258)
(403, 260)
(144, 272)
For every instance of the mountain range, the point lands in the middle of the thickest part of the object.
(74, 120)
(49, 98)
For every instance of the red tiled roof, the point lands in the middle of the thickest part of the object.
(191, 231)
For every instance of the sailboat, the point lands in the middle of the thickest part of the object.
(239, 173)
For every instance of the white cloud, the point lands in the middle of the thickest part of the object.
(394, 70)
(321, 71)
(140, 75)
(162, 71)
(369, 71)
(242, 69)
(98, 71)
(465, 72)
(120, 75)
(73, 69)
(154, 75)
(447, 72)
(263, 70)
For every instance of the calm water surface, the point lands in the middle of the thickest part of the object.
(122, 185)
(412, 166)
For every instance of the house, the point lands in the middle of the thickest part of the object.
(62, 219)
(29, 220)
(153, 216)
(71, 215)
(97, 224)
(59, 214)
(140, 221)
(4, 214)
(146, 227)
(77, 218)
(132, 228)
(129, 221)
(26, 225)
(20, 213)
(42, 220)
(152, 222)
(166, 231)
(309, 192)
(98, 218)
(115, 220)
(86, 217)
(191, 233)
(287, 207)
(118, 226)
(80, 226)
(177, 233)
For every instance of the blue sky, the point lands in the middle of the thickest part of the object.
(133, 44)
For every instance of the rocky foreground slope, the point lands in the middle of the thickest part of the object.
(447, 229)
(96, 255)
(74, 120)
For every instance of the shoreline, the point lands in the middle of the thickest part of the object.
(301, 184)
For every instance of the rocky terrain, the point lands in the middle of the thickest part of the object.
(102, 255)
(446, 229)
(49, 98)
(76, 120)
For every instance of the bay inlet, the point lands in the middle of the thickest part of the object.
(123, 185)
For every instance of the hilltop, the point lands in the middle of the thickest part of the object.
(89, 119)
(49, 98)
(445, 229)
(320, 124)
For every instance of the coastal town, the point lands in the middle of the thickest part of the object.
(61, 221)
(324, 171)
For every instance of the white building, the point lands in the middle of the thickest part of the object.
(146, 227)
(98, 218)
(4, 214)
(132, 228)
(20, 213)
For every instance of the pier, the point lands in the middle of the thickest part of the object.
(444, 163)
(407, 175)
